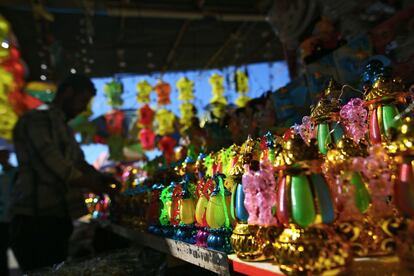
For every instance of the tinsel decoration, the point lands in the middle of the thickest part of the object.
(217, 89)
(11, 80)
(113, 91)
(144, 90)
(186, 95)
(185, 89)
(242, 87)
(164, 122)
(163, 91)
(146, 116)
(187, 115)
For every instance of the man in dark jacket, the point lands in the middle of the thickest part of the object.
(53, 175)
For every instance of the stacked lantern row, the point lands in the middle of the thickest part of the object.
(325, 191)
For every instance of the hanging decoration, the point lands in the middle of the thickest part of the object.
(185, 89)
(217, 89)
(164, 122)
(187, 115)
(144, 90)
(11, 81)
(4, 32)
(186, 95)
(147, 138)
(114, 122)
(163, 91)
(166, 145)
(113, 91)
(242, 88)
(146, 116)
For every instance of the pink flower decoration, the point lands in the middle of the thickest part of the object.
(260, 197)
(354, 118)
(306, 130)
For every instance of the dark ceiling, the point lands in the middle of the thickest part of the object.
(106, 37)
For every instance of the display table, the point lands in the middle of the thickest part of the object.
(224, 264)
(212, 260)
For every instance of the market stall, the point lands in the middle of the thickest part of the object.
(315, 177)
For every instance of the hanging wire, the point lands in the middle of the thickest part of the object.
(339, 99)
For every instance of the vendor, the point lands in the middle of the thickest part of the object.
(53, 175)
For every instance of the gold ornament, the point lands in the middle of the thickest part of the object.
(314, 250)
(402, 142)
(370, 238)
(384, 89)
(324, 109)
(252, 242)
(295, 151)
(405, 244)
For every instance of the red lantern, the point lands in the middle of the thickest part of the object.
(22, 102)
(15, 67)
(14, 53)
(166, 145)
(147, 138)
(146, 116)
(154, 209)
(175, 205)
(114, 121)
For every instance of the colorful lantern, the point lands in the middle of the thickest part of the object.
(187, 115)
(146, 116)
(166, 145)
(41, 90)
(163, 91)
(242, 87)
(147, 138)
(185, 89)
(113, 91)
(305, 207)
(115, 122)
(155, 205)
(144, 90)
(218, 207)
(217, 89)
(326, 117)
(402, 148)
(164, 122)
(166, 199)
(365, 216)
(382, 94)
(175, 204)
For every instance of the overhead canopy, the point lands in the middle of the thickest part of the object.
(106, 37)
